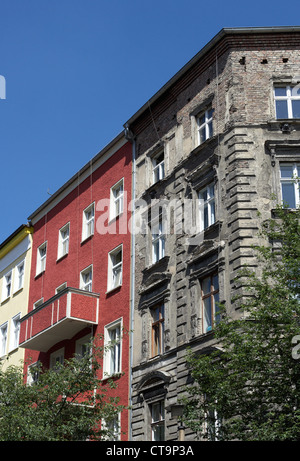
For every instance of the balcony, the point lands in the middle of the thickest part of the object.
(59, 318)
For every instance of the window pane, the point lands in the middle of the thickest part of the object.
(280, 91)
(286, 171)
(281, 109)
(288, 194)
(296, 109)
(158, 433)
(206, 285)
(207, 314)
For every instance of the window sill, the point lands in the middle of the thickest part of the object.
(86, 239)
(17, 291)
(39, 275)
(112, 290)
(113, 376)
(5, 300)
(61, 257)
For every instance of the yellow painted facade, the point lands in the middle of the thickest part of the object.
(15, 264)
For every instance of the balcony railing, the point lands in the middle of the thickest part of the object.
(59, 318)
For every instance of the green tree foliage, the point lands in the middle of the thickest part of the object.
(248, 386)
(65, 404)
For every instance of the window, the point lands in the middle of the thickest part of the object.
(112, 360)
(209, 300)
(83, 346)
(113, 427)
(289, 182)
(158, 239)
(6, 288)
(207, 207)
(15, 332)
(88, 221)
(115, 263)
(86, 278)
(57, 359)
(157, 410)
(204, 125)
(157, 315)
(61, 288)
(38, 303)
(19, 276)
(158, 163)
(41, 258)
(63, 241)
(33, 373)
(3, 339)
(287, 102)
(116, 199)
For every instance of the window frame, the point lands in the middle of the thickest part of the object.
(294, 180)
(60, 354)
(158, 240)
(157, 423)
(14, 335)
(32, 378)
(114, 200)
(83, 284)
(7, 286)
(3, 338)
(158, 167)
(113, 353)
(289, 98)
(207, 125)
(86, 222)
(41, 259)
(211, 295)
(61, 252)
(157, 330)
(17, 285)
(112, 266)
(209, 203)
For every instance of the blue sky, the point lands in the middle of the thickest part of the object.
(77, 70)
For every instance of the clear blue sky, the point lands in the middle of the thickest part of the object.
(77, 70)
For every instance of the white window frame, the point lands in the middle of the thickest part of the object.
(115, 426)
(7, 285)
(57, 356)
(158, 167)
(88, 222)
(291, 96)
(38, 303)
(63, 241)
(113, 344)
(206, 126)
(294, 180)
(117, 199)
(158, 239)
(115, 269)
(14, 332)
(157, 422)
(19, 276)
(41, 258)
(81, 345)
(61, 288)
(207, 205)
(86, 284)
(33, 376)
(3, 338)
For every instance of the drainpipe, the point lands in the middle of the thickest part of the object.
(130, 137)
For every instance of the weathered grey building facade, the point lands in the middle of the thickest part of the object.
(211, 147)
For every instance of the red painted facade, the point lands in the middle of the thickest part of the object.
(100, 308)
